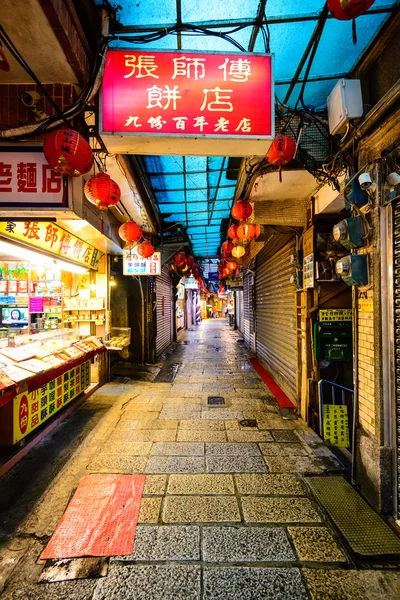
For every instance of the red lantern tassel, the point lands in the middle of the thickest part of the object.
(101, 225)
(280, 174)
(354, 31)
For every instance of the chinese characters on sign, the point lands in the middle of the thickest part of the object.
(335, 314)
(52, 237)
(336, 425)
(136, 265)
(187, 94)
(27, 179)
(31, 409)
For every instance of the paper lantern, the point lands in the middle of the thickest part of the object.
(102, 191)
(227, 247)
(190, 261)
(68, 153)
(231, 265)
(130, 232)
(345, 10)
(242, 210)
(145, 249)
(232, 231)
(179, 258)
(238, 251)
(281, 152)
(227, 272)
(246, 232)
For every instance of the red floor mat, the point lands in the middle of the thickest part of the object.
(279, 394)
(101, 518)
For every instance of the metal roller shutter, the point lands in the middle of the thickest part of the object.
(276, 343)
(165, 311)
(239, 310)
(396, 290)
(248, 314)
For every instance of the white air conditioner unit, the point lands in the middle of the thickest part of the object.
(344, 104)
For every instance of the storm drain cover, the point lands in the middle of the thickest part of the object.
(213, 400)
(248, 423)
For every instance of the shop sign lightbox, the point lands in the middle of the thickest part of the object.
(186, 96)
(27, 180)
(52, 238)
(133, 264)
(191, 284)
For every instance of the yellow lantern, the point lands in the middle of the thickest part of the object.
(238, 251)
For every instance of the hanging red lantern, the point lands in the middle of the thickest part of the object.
(232, 231)
(246, 232)
(145, 249)
(68, 153)
(4, 64)
(190, 261)
(231, 265)
(179, 258)
(281, 152)
(227, 247)
(130, 232)
(345, 10)
(102, 191)
(242, 210)
(227, 272)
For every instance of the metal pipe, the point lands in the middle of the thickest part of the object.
(355, 382)
(138, 279)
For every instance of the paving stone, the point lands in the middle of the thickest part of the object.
(284, 436)
(79, 589)
(160, 542)
(141, 414)
(197, 425)
(287, 449)
(340, 584)
(252, 583)
(178, 449)
(232, 425)
(200, 509)
(171, 412)
(129, 448)
(188, 435)
(246, 544)
(273, 421)
(217, 388)
(249, 435)
(149, 510)
(293, 464)
(186, 387)
(154, 435)
(232, 448)
(175, 464)
(201, 484)
(157, 424)
(115, 463)
(315, 544)
(150, 582)
(182, 401)
(270, 485)
(236, 464)
(222, 414)
(279, 510)
(155, 484)
(126, 425)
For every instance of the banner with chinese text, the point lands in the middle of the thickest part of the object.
(26, 179)
(336, 425)
(52, 238)
(31, 409)
(187, 94)
(133, 264)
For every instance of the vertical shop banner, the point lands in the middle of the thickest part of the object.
(53, 238)
(336, 425)
(187, 94)
(31, 409)
(27, 180)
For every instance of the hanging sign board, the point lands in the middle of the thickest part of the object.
(178, 97)
(26, 179)
(52, 238)
(133, 264)
(191, 284)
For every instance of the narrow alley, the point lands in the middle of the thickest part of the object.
(227, 510)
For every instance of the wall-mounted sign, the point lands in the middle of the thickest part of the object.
(187, 94)
(133, 264)
(335, 314)
(52, 238)
(191, 284)
(26, 179)
(336, 425)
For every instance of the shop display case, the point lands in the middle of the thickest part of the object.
(119, 338)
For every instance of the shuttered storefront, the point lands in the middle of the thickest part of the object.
(165, 311)
(396, 289)
(276, 344)
(248, 314)
(239, 310)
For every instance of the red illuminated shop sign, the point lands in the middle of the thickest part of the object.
(187, 94)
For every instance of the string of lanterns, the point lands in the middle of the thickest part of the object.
(187, 266)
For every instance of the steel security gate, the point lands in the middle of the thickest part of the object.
(276, 341)
(396, 312)
(165, 311)
(239, 310)
(248, 313)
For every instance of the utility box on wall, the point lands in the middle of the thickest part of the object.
(333, 341)
(344, 103)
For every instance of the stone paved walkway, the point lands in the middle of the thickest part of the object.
(226, 513)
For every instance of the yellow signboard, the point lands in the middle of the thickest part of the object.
(31, 409)
(335, 314)
(48, 236)
(336, 425)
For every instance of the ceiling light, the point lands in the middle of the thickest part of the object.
(40, 259)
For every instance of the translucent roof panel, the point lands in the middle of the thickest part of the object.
(194, 191)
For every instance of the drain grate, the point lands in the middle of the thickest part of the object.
(214, 400)
(248, 423)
